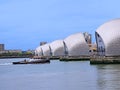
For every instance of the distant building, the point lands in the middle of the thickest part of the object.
(31, 51)
(43, 43)
(2, 48)
(15, 51)
(5, 51)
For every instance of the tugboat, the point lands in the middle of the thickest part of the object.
(34, 60)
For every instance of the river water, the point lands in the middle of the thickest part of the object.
(58, 75)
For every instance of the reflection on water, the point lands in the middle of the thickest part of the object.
(58, 76)
(108, 77)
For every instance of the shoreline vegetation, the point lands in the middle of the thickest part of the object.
(16, 55)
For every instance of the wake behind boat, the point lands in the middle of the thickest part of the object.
(34, 61)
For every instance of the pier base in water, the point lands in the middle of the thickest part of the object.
(71, 58)
(105, 60)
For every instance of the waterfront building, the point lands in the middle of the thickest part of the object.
(76, 45)
(30, 51)
(108, 38)
(57, 48)
(2, 47)
(5, 51)
(15, 51)
(43, 43)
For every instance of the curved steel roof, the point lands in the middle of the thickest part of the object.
(57, 48)
(110, 34)
(76, 45)
(46, 50)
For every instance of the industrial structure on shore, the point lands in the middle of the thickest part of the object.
(73, 46)
(108, 43)
(80, 46)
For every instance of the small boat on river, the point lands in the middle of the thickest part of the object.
(33, 61)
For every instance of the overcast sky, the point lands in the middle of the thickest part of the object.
(25, 23)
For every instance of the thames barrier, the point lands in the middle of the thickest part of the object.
(80, 47)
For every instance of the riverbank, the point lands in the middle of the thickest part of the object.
(5, 57)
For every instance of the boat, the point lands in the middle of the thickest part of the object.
(33, 61)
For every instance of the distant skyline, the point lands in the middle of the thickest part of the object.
(25, 23)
